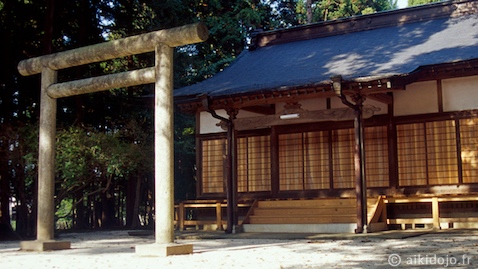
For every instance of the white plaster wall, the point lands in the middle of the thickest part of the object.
(418, 98)
(336, 102)
(460, 93)
(383, 107)
(207, 124)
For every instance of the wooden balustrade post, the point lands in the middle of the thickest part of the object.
(436, 213)
(219, 216)
(181, 216)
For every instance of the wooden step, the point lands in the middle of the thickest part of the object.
(302, 219)
(303, 211)
(306, 212)
(318, 203)
(311, 211)
(313, 203)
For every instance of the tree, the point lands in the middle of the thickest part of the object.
(18, 103)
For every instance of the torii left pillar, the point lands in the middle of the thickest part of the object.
(46, 171)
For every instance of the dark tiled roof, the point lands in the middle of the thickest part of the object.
(379, 53)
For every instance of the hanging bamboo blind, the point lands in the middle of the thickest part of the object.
(291, 161)
(442, 152)
(316, 160)
(427, 153)
(303, 161)
(343, 149)
(213, 160)
(253, 164)
(411, 154)
(469, 149)
(376, 156)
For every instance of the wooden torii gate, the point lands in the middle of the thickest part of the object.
(162, 42)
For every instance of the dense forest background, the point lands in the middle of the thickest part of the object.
(104, 158)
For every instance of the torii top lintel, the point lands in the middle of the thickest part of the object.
(173, 37)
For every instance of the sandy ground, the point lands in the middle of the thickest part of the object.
(116, 249)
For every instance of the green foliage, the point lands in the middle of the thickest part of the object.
(324, 10)
(184, 157)
(412, 3)
(64, 214)
(87, 157)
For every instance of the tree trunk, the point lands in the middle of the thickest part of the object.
(107, 211)
(137, 200)
(49, 22)
(133, 197)
(6, 230)
(80, 222)
(308, 6)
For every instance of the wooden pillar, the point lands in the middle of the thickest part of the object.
(359, 156)
(231, 184)
(46, 171)
(359, 159)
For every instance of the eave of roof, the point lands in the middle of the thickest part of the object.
(387, 46)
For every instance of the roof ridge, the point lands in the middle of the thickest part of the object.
(364, 22)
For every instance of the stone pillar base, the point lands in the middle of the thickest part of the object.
(44, 245)
(163, 250)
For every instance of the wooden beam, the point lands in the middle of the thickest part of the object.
(382, 97)
(265, 110)
(301, 116)
(377, 87)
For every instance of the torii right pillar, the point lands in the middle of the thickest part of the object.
(164, 160)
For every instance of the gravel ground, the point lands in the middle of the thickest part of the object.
(116, 249)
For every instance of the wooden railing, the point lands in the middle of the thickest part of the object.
(377, 215)
(436, 218)
(182, 218)
(212, 212)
